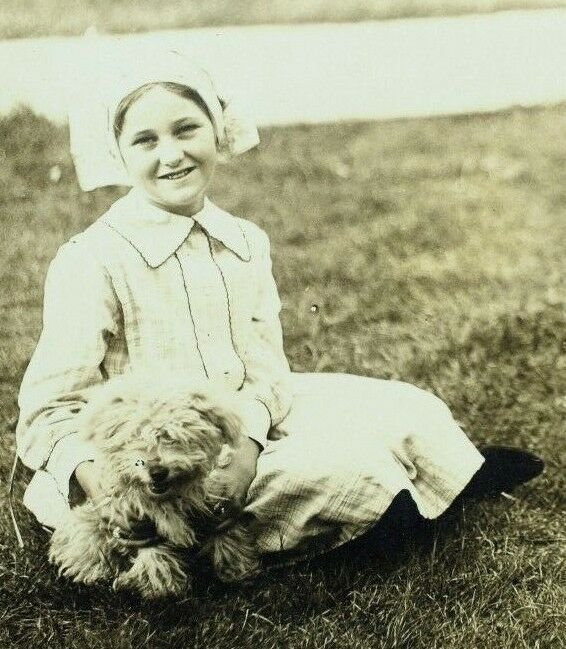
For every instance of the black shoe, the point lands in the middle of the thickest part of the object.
(504, 469)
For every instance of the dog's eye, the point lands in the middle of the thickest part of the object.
(139, 462)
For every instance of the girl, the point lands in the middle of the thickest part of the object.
(166, 281)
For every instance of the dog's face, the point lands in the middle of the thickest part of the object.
(163, 459)
(162, 440)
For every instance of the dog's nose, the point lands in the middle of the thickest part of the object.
(158, 474)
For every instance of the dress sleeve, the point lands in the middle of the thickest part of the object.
(267, 382)
(80, 312)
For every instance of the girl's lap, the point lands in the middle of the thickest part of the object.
(351, 445)
(364, 406)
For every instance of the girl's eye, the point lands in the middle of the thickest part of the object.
(144, 140)
(186, 129)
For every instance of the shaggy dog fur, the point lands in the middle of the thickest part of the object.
(158, 442)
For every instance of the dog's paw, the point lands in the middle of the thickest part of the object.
(80, 551)
(235, 556)
(240, 571)
(156, 572)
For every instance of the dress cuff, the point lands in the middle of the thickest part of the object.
(68, 453)
(256, 420)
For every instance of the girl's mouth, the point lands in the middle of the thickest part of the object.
(176, 175)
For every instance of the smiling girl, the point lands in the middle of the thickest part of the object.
(167, 282)
(168, 145)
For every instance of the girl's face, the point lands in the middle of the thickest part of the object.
(169, 149)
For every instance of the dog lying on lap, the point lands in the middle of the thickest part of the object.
(161, 443)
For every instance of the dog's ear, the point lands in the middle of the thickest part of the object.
(227, 422)
(107, 406)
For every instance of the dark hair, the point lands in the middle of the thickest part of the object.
(177, 88)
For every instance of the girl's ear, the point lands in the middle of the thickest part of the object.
(225, 456)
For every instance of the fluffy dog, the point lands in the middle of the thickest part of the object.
(159, 443)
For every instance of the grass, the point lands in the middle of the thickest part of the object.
(44, 17)
(434, 250)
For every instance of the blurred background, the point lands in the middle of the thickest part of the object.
(72, 17)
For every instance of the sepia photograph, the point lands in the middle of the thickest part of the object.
(283, 324)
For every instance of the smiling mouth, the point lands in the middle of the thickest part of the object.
(176, 175)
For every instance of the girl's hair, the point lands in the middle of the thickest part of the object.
(177, 88)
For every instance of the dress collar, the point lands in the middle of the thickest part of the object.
(157, 234)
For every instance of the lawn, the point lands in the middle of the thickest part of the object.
(434, 250)
(43, 17)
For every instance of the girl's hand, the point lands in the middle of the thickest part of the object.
(88, 475)
(246, 465)
(236, 469)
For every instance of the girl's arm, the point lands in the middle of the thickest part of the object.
(79, 315)
(267, 382)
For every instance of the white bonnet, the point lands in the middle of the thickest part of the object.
(91, 116)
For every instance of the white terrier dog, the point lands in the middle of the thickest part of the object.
(159, 443)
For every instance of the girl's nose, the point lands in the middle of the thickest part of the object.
(170, 154)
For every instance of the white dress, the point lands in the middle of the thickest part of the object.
(146, 290)
(352, 444)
